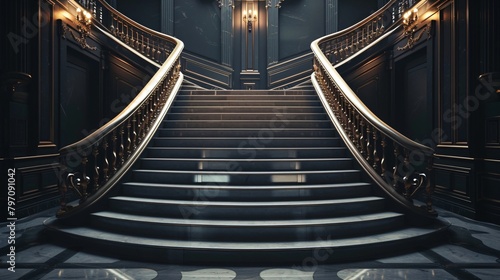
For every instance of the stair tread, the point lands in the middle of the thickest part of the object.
(246, 138)
(277, 172)
(402, 235)
(245, 129)
(250, 187)
(244, 148)
(249, 223)
(247, 160)
(248, 203)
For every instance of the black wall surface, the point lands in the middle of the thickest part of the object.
(202, 26)
(63, 92)
(431, 92)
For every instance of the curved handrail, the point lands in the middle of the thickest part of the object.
(93, 165)
(369, 138)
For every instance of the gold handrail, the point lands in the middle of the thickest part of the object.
(400, 166)
(93, 165)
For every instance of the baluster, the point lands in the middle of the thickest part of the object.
(147, 118)
(114, 152)
(131, 136)
(95, 153)
(369, 145)
(158, 52)
(105, 165)
(135, 128)
(132, 40)
(362, 139)
(357, 40)
(346, 50)
(148, 49)
(119, 31)
(383, 164)
(85, 182)
(357, 135)
(376, 158)
(341, 111)
(157, 100)
(352, 43)
(127, 39)
(407, 178)
(362, 38)
(335, 54)
(144, 118)
(152, 108)
(142, 44)
(112, 27)
(396, 169)
(137, 42)
(140, 122)
(153, 52)
(349, 122)
(121, 149)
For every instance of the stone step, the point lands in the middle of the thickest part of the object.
(247, 230)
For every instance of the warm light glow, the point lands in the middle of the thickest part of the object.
(249, 15)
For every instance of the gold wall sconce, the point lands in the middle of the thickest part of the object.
(410, 19)
(249, 16)
(84, 25)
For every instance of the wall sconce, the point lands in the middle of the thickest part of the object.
(85, 20)
(84, 24)
(409, 18)
(410, 26)
(249, 16)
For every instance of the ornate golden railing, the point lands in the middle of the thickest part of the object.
(93, 165)
(400, 166)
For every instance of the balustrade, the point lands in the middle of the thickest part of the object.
(93, 165)
(408, 168)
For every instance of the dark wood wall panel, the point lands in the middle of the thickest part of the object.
(372, 83)
(122, 82)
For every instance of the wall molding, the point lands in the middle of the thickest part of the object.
(290, 72)
(206, 73)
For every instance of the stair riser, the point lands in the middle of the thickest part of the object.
(202, 210)
(247, 234)
(275, 119)
(264, 140)
(248, 124)
(245, 179)
(248, 103)
(246, 165)
(182, 99)
(246, 154)
(245, 133)
(215, 193)
(245, 109)
(248, 93)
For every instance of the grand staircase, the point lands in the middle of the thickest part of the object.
(242, 176)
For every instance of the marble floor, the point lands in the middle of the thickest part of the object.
(470, 251)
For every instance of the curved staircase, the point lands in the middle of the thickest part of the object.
(247, 176)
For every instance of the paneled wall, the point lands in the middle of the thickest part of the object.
(431, 92)
(62, 92)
